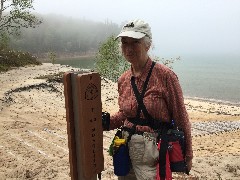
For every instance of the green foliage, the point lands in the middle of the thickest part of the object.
(15, 14)
(109, 61)
(10, 58)
(4, 40)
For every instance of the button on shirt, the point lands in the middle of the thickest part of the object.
(163, 99)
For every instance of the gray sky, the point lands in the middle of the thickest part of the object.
(179, 27)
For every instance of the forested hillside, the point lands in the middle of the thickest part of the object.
(64, 35)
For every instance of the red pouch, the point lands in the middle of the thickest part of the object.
(172, 147)
(177, 163)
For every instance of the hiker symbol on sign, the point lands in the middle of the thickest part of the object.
(91, 92)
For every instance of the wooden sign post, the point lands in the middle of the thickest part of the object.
(84, 124)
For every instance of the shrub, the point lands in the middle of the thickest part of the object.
(10, 58)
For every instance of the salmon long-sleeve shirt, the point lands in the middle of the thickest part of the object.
(163, 99)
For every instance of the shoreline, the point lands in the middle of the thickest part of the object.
(59, 58)
(192, 103)
(209, 100)
(216, 101)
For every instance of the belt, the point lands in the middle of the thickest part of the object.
(156, 125)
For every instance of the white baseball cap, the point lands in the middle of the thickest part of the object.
(136, 29)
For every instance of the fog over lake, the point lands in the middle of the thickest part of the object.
(178, 27)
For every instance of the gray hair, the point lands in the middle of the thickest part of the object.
(147, 40)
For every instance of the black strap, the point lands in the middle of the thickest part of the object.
(139, 97)
(162, 155)
(151, 122)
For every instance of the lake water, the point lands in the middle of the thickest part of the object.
(209, 78)
(82, 62)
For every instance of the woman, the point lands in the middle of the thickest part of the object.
(162, 100)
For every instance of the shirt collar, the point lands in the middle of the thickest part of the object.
(145, 71)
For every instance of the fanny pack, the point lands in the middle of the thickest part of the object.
(171, 154)
(176, 149)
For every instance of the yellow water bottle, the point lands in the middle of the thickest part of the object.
(117, 143)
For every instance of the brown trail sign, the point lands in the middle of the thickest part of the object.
(84, 124)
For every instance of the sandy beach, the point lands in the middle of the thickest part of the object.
(33, 132)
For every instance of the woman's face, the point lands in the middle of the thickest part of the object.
(134, 50)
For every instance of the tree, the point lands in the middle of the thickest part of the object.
(52, 56)
(109, 61)
(15, 14)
